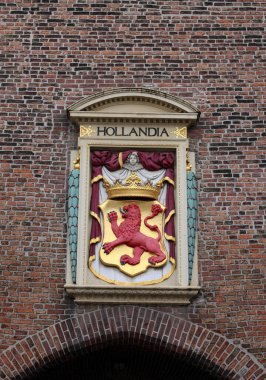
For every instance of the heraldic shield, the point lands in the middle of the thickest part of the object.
(133, 235)
(132, 208)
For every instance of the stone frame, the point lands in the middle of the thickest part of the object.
(138, 107)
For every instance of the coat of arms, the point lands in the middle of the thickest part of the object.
(132, 234)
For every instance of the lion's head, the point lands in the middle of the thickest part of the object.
(131, 211)
(132, 219)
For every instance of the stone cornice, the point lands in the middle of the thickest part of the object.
(133, 295)
(161, 106)
(155, 96)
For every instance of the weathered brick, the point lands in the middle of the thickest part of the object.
(209, 53)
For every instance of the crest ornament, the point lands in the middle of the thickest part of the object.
(133, 187)
(153, 259)
(130, 243)
(134, 243)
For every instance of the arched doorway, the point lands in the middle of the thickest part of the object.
(128, 339)
(125, 362)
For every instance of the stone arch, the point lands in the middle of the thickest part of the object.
(93, 330)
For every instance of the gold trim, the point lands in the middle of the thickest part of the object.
(95, 240)
(76, 163)
(120, 159)
(91, 259)
(189, 166)
(95, 216)
(133, 187)
(96, 179)
(86, 131)
(171, 213)
(180, 132)
(132, 284)
(172, 261)
(168, 179)
(165, 179)
(169, 237)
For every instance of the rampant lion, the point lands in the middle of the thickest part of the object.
(128, 232)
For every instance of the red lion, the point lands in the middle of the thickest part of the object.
(128, 232)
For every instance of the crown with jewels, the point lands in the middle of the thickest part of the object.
(133, 187)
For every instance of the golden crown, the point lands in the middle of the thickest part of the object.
(133, 187)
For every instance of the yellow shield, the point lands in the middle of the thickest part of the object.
(130, 244)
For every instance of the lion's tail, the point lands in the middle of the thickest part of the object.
(155, 209)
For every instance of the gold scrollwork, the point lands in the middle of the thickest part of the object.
(189, 166)
(76, 163)
(180, 132)
(86, 131)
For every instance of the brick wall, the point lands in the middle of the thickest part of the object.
(207, 52)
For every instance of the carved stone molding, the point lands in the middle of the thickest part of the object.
(148, 121)
(137, 295)
(133, 104)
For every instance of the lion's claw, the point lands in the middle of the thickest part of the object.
(151, 261)
(112, 216)
(125, 259)
(107, 247)
(155, 259)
